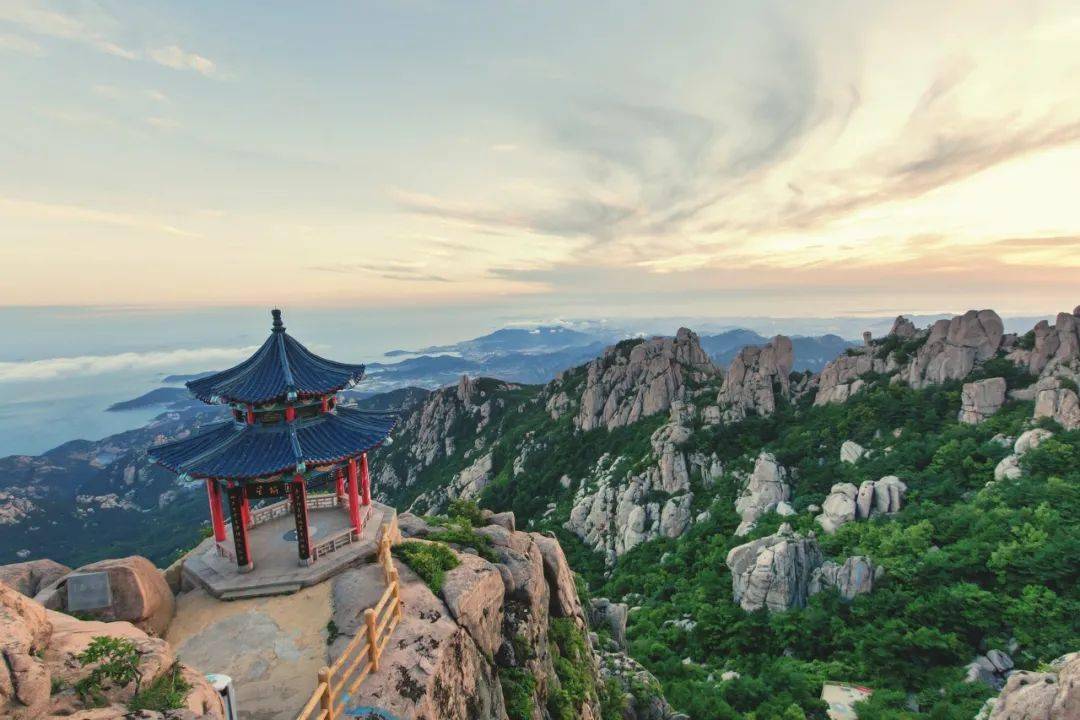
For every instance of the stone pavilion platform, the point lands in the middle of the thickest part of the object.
(272, 539)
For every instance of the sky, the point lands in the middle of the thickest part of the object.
(728, 158)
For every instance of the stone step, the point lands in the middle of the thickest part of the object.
(260, 591)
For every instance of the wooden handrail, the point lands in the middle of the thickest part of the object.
(361, 655)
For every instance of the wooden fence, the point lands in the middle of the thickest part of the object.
(340, 681)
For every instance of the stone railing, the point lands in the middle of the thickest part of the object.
(321, 502)
(269, 512)
(335, 542)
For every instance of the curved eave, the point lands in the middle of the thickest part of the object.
(245, 452)
(280, 367)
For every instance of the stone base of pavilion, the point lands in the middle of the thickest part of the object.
(272, 542)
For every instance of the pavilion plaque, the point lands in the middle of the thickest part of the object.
(89, 591)
(260, 490)
(236, 514)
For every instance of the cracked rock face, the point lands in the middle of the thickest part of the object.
(841, 378)
(1051, 695)
(755, 378)
(622, 386)
(954, 346)
(855, 576)
(1056, 345)
(1054, 400)
(981, 399)
(846, 503)
(765, 490)
(774, 572)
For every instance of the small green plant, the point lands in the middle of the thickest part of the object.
(1026, 341)
(117, 662)
(429, 560)
(167, 692)
(1069, 384)
(518, 686)
(465, 537)
(332, 632)
(466, 510)
(56, 685)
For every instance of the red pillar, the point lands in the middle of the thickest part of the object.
(217, 519)
(365, 479)
(340, 485)
(354, 498)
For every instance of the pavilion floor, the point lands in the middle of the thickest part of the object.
(277, 568)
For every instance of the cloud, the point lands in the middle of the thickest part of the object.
(162, 123)
(83, 365)
(86, 29)
(175, 57)
(20, 208)
(389, 269)
(21, 45)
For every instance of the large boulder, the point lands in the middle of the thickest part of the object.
(473, 591)
(774, 572)
(954, 346)
(842, 377)
(1050, 695)
(766, 488)
(839, 507)
(611, 615)
(981, 399)
(1054, 346)
(755, 377)
(32, 576)
(852, 452)
(560, 578)
(855, 576)
(25, 631)
(140, 594)
(1054, 399)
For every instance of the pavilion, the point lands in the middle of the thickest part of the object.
(287, 432)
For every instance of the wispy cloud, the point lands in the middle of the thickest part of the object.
(389, 269)
(21, 208)
(177, 58)
(21, 45)
(84, 365)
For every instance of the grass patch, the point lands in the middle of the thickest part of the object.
(518, 687)
(167, 692)
(428, 560)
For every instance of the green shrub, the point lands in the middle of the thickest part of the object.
(1026, 341)
(518, 687)
(572, 660)
(1069, 384)
(465, 537)
(466, 510)
(167, 692)
(117, 661)
(429, 560)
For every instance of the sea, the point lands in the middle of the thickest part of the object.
(62, 367)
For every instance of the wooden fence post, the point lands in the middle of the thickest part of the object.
(396, 592)
(373, 640)
(327, 701)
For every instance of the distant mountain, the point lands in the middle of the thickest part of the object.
(157, 396)
(400, 400)
(512, 340)
(811, 353)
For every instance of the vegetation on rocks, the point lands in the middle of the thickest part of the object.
(429, 560)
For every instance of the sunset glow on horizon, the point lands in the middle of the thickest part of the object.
(752, 158)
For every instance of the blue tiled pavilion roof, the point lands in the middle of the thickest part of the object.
(280, 367)
(238, 451)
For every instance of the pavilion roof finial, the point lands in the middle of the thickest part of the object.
(278, 327)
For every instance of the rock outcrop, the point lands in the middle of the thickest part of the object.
(1009, 467)
(756, 378)
(634, 380)
(140, 594)
(842, 377)
(1050, 695)
(1059, 401)
(855, 576)
(774, 572)
(852, 452)
(991, 669)
(846, 503)
(954, 346)
(38, 655)
(766, 488)
(33, 576)
(1052, 346)
(454, 652)
(981, 399)
(610, 615)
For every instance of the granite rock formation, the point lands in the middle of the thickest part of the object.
(855, 576)
(757, 377)
(631, 381)
(1056, 399)
(1050, 695)
(774, 572)
(846, 503)
(765, 489)
(954, 346)
(1009, 467)
(981, 399)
